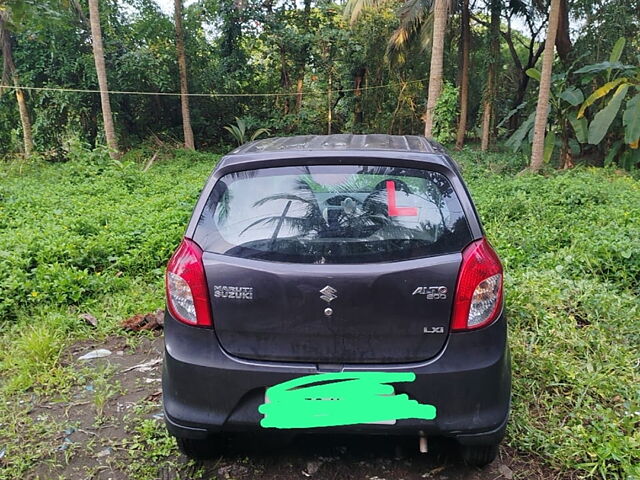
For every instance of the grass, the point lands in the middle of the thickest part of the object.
(149, 446)
(91, 236)
(87, 236)
(570, 243)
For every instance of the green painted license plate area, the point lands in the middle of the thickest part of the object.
(346, 398)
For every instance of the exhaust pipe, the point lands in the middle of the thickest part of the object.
(422, 442)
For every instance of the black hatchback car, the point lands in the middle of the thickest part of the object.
(336, 283)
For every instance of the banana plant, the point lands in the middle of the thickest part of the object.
(564, 128)
(240, 134)
(622, 82)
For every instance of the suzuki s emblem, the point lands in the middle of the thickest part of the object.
(328, 294)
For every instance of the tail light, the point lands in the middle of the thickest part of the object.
(479, 291)
(187, 293)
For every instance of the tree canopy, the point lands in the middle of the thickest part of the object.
(319, 67)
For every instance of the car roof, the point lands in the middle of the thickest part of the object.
(331, 146)
(341, 142)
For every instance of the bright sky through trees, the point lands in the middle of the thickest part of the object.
(167, 5)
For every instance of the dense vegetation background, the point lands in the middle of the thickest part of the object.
(319, 67)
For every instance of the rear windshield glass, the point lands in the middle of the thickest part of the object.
(333, 214)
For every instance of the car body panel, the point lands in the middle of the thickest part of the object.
(376, 318)
(207, 390)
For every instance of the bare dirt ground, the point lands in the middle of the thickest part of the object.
(109, 429)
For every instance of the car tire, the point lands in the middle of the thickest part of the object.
(478, 455)
(204, 449)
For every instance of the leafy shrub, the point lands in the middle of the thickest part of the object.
(446, 114)
(580, 222)
(72, 231)
(241, 135)
(570, 100)
(570, 244)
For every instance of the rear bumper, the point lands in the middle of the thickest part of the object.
(207, 391)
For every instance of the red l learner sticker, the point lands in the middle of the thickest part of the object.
(394, 210)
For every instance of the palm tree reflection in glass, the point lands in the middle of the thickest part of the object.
(359, 210)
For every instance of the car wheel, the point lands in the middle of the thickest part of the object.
(478, 455)
(200, 449)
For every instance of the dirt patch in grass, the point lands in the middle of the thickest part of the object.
(112, 428)
(98, 417)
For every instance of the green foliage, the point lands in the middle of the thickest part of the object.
(226, 54)
(570, 244)
(272, 49)
(36, 353)
(446, 114)
(609, 129)
(240, 134)
(563, 124)
(76, 230)
(625, 86)
(631, 120)
(150, 449)
(604, 118)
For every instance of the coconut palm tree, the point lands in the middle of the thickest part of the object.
(465, 40)
(423, 20)
(98, 56)
(10, 77)
(182, 65)
(542, 109)
(440, 14)
(492, 78)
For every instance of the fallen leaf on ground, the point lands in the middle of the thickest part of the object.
(505, 471)
(433, 471)
(152, 397)
(145, 321)
(312, 468)
(89, 319)
(233, 471)
(103, 453)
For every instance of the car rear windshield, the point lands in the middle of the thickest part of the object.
(333, 214)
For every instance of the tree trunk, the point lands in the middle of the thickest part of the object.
(75, 4)
(358, 116)
(299, 85)
(486, 125)
(27, 136)
(492, 80)
(302, 64)
(533, 54)
(563, 40)
(284, 78)
(98, 56)
(329, 106)
(565, 151)
(182, 66)
(523, 83)
(437, 59)
(464, 75)
(542, 109)
(9, 72)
